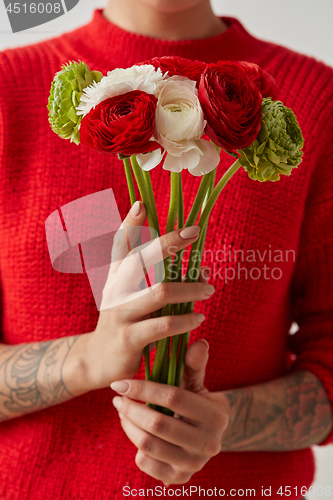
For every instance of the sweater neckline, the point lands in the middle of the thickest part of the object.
(105, 42)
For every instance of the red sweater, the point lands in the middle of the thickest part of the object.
(77, 449)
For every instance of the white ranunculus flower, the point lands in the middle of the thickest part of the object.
(179, 127)
(118, 82)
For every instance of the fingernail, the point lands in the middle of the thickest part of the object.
(209, 290)
(136, 209)
(204, 341)
(120, 415)
(200, 317)
(189, 232)
(120, 387)
(117, 402)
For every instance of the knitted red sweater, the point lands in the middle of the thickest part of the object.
(77, 449)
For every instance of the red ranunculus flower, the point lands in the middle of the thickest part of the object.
(176, 65)
(263, 80)
(231, 103)
(122, 124)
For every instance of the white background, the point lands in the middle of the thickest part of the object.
(303, 25)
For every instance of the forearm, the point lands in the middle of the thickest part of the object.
(41, 374)
(289, 413)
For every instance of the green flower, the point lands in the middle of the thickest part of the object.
(278, 147)
(65, 95)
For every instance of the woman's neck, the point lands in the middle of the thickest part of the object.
(134, 16)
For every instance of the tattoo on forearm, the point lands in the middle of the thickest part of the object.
(31, 377)
(294, 413)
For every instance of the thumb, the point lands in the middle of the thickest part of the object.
(195, 367)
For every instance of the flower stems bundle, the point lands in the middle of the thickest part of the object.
(180, 114)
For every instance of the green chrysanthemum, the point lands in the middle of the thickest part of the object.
(278, 147)
(65, 95)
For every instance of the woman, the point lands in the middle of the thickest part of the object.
(265, 392)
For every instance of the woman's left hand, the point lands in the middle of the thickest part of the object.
(172, 449)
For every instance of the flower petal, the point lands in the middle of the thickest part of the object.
(188, 160)
(148, 161)
(208, 160)
(118, 82)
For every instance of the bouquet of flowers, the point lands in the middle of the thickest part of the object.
(179, 114)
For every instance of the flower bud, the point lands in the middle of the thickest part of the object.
(278, 147)
(65, 96)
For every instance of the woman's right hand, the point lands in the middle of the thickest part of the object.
(127, 322)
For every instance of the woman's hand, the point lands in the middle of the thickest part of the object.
(127, 322)
(173, 449)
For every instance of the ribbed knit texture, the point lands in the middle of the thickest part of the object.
(77, 450)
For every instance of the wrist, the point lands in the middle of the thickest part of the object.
(96, 367)
(223, 400)
(76, 370)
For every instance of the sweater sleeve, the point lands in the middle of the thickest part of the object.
(312, 287)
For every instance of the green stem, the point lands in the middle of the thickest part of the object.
(176, 369)
(174, 198)
(205, 214)
(188, 309)
(174, 372)
(148, 203)
(132, 196)
(180, 224)
(172, 216)
(180, 215)
(129, 179)
(177, 277)
(217, 191)
(165, 365)
(196, 207)
(147, 362)
(190, 305)
(147, 197)
(146, 176)
(181, 360)
(161, 345)
(173, 359)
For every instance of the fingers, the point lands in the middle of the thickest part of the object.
(195, 367)
(185, 403)
(154, 252)
(154, 298)
(138, 304)
(153, 329)
(126, 237)
(155, 447)
(204, 274)
(167, 428)
(160, 470)
(171, 243)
